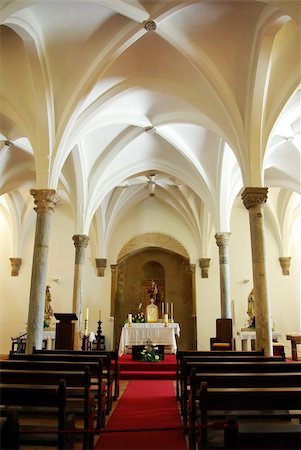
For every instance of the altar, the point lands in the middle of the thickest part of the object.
(248, 339)
(157, 333)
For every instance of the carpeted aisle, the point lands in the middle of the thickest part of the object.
(145, 405)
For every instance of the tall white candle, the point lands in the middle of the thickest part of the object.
(162, 310)
(87, 314)
(171, 310)
(130, 317)
(99, 315)
(165, 318)
(167, 307)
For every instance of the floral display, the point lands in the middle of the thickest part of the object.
(150, 353)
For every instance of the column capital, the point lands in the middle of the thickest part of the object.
(44, 199)
(285, 262)
(222, 239)
(204, 265)
(101, 264)
(80, 240)
(15, 266)
(254, 196)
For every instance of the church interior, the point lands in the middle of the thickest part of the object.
(145, 142)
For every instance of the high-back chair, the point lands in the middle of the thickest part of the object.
(224, 339)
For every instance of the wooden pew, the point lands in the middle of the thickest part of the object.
(80, 400)
(187, 362)
(113, 354)
(86, 359)
(264, 403)
(234, 380)
(10, 430)
(191, 353)
(40, 399)
(98, 387)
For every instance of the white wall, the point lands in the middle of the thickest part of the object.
(284, 290)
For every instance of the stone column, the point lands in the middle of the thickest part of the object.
(253, 199)
(193, 315)
(45, 200)
(113, 289)
(80, 244)
(222, 240)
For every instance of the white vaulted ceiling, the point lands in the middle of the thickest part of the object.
(107, 111)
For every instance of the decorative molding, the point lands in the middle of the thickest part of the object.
(101, 264)
(204, 265)
(153, 240)
(285, 262)
(222, 239)
(254, 196)
(150, 25)
(15, 266)
(80, 240)
(45, 200)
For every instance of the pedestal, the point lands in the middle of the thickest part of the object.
(64, 338)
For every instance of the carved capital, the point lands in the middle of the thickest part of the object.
(254, 196)
(80, 240)
(222, 239)
(44, 199)
(204, 265)
(15, 266)
(285, 262)
(101, 264)
(114, 267)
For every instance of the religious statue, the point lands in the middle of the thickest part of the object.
(152, 311)
(251, 309)
(48, 311)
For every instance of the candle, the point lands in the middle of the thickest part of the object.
(87, 314)
(167, 307)
(99, 315)
(165, 318)
(162, 309)
(130, 318)
(171, 310)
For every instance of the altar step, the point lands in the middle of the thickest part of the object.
(138, 370)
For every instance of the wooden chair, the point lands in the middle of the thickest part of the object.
(224, 339)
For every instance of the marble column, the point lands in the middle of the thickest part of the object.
(80, 244)
(222, 240)
(45, 200)
(253, 199)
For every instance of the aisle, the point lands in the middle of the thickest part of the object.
(145, 405)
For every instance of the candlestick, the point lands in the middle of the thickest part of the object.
(166, 319)
(86, 327)
(162, 310)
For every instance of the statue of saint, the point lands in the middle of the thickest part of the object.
(48, 312)
(251, 309)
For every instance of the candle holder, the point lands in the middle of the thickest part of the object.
(85, 343)
(100, 339)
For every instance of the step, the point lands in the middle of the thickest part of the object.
(147, 375)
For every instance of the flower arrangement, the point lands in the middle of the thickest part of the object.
(150, 353)
(139, 316)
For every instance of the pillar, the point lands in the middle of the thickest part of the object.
(80, 244)
(45, 200)
(193, 315)
(253, 199)
(222, 240)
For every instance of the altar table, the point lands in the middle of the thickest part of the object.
(248, 339)
(157, 333)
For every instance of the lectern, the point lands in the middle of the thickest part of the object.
(64, 332)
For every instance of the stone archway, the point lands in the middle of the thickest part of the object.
(171, 270)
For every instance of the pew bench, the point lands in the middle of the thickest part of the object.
(266, 404)
(80, 400)
(191, 353)
(235, 380)
(88, 359)
(38, 401)
(98, 386)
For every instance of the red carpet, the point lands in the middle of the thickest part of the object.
(145, 405)
(138, 370)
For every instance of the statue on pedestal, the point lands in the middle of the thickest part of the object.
(48, 311)
(251, 309)
(152, 312)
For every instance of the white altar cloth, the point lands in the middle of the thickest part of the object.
(157, 333)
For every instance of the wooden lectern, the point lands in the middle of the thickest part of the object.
(64, 333)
